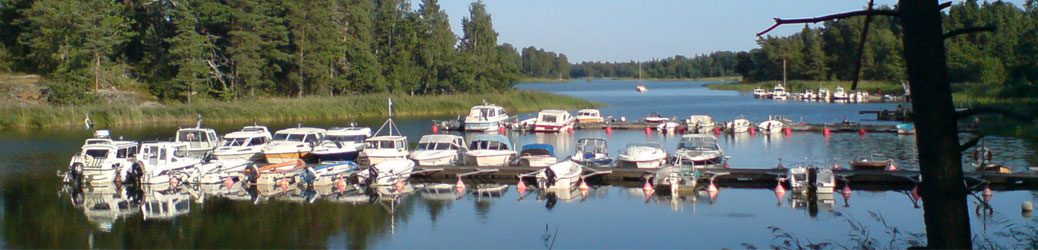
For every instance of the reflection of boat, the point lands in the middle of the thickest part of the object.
(158, 160)
(102, 159)
(486, 117)
(592, 151)
(439, 150)
(387, 173)
(537, 155)
(676, 177)
(642, 155)
(273, 173)
(738, 126)
(199, 141)
(244, 145)
(563, 175)
(799, 179)
(875, 162)
(489, 190)
(165, 205)
(104, 205)
(342, 144)
(489, 150)
(554, 121)
(326, 174)
(291, 144)
(905, 128)
(700, 124)
(700, 150)
(437, 191)
(589, 116)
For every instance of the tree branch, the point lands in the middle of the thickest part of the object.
(969, 144)
(861, 48)
(963, 31)
(994, 110)
(780, 21)
(944, 5)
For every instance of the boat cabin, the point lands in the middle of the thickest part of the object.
(487, 112)
(348, 134)
(441, 142)
(698, 142)
(247, 137)
(303, 135)
(490, 142)
(386, 142)
(97, 150)
(159, 153)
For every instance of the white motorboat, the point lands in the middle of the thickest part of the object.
(439, 150)
(779, 92)
(386, 173)
(809, 95)
(200, 141)
(738, 126)
(839, 94)
(700, 124)
(342, 144)
(761, 93)
(537, 155)
(102, 160)
(642, 155)
(858, 96)
(656, 118)
(592, 151)
(824, 95)
(490, 150)
(799, 179)
(668, 127)
(554, 121)
(564, 176)
(389, 147)
(700, 151)
(292, 144)
(772, 125)
(244, 145)
(641, 88)
(158, 160)
(486, 117)
(589, 116)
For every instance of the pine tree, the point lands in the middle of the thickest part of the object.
(436, 48)
(188, 51)
(362, 67)
(317, 43)
(814, 56)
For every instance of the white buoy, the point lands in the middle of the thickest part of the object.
(1027, 207)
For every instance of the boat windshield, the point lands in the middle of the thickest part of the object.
(698, 144)
(436, 146)
(548, 118)
(382, 144)
(234, 142)
(191, 136)
(97, 153)
(488, 145)
(346, 138)
(180, 152)
(289, 137)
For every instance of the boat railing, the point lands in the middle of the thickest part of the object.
(88, 161)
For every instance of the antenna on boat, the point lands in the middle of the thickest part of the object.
(389, 122)
(199, 123)
(87, 123)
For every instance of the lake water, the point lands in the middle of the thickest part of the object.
(37, 211)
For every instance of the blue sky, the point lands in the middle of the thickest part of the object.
(621, 30)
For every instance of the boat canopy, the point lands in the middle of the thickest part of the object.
(440, 142)
(491, 142)
(538, 149)
(698, 142)
(645, 144)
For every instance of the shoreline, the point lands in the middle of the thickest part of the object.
(367, 106)
(799, 85)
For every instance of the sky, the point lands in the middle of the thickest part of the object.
(624, 30)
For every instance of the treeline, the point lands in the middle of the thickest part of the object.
(1002, 61)
(231, 49)
(545, 64)
(710, 65)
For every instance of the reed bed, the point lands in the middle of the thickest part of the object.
(279, 109)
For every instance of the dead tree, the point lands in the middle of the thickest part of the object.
(944, 193)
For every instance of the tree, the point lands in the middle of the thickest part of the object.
(362, 67)
(814, 56)
(491, 67)
(188, 50)
(435, 48)
(256, 36)
(316, 40)
(70, 38)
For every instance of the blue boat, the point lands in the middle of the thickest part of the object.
(905, 128)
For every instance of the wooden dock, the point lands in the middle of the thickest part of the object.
(890, 115)
(733, 177)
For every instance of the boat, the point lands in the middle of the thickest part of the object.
(342, 144)
(537, 155)
(642, 155)
(214, 172)
(490, 151)
(102, 160)
(104, 205)
(439, 150)
(905, 128)
(388, 147)
(800, 179)
(779, 92)
(858, 96)
(808, 95)
(674, 177)
(700, 124)
(761, 93)
(982, 161)
(292, 143)
(200, 141)
(589, 116)
(700, 151)
(875, 162)
(738, 126)
(165, 205)
(273, 173)
(244, 145)
(156, 161)
(592, 151)
(655, 118)
(554, 121)
(386, 173)
(668, 127)
(641, 88)
(772, 125)
(824, 95)
(839, 94)
(327, 174)
(486, 117)
(564, 176)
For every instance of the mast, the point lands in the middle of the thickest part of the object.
(783, 73)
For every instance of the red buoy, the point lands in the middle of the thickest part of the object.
(753, 130)
(340, 185)
(501, 129)
(789, 131)
(892, 166)
(460, 185)
(435, 129)
(228, 182)
(521, 186)
(583, 185)
(647, 187)
(609, 130)
(570, 130)
(717, 130)
(826, 132)
(915, 194)
(861, 131)
(648, 130)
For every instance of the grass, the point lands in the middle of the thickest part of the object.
(279, 109)
(800, 85)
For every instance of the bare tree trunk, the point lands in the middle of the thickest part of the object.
(97, 70)
(944, 194)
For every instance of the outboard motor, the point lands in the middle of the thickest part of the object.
(551, 176)
(372, 176)
(251, 174)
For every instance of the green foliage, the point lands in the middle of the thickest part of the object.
(544, 64)
(717, 64)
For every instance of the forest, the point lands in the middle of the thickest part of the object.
(999, 63)
(233, 49)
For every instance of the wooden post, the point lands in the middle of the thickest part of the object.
(944, 194)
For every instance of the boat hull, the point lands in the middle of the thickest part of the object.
(537, 161)
(552, 128)
(489, 160)
(285, 157)
(336, 156)
(629, 163)
(482, 126)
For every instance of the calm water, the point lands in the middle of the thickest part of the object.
(37, 211)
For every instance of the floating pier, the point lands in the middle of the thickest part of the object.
(902, 115)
